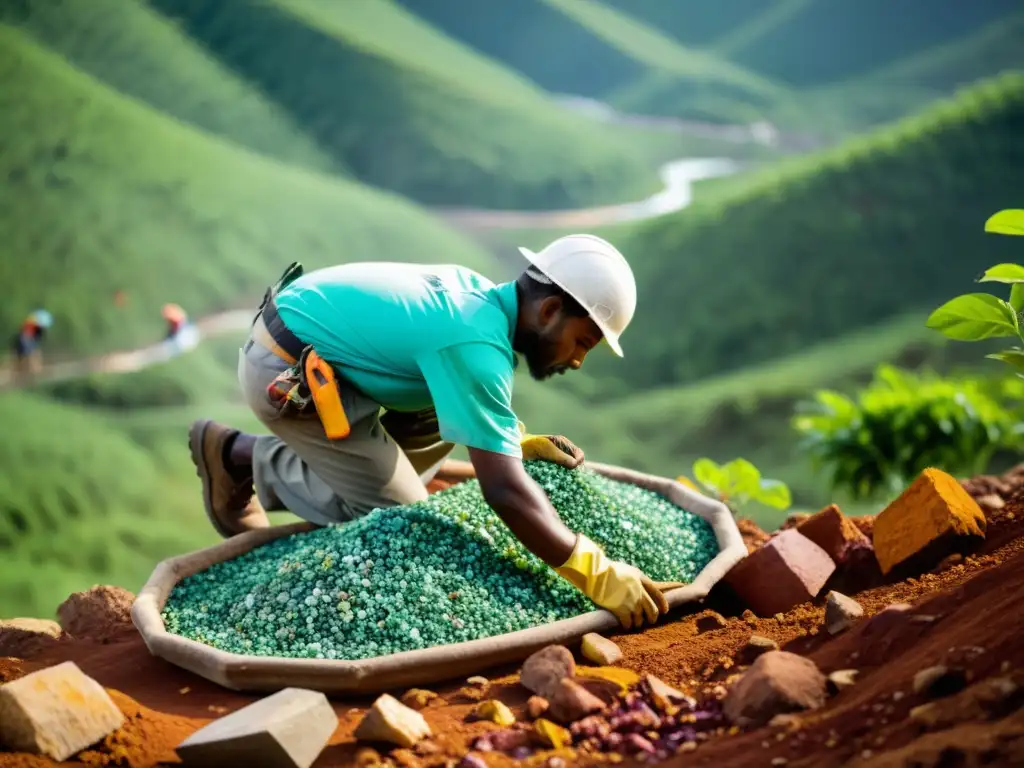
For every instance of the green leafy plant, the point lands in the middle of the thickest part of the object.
(977, 316)
(901, 423)
(737, 483)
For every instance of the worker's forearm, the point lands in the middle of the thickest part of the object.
(533, 520)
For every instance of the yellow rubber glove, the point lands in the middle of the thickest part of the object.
(554, 448)
(621, 588)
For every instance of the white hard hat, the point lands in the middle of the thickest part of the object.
(593, 272)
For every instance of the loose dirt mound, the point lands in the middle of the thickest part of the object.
(964, 615)
(98, 614)
(27, 637)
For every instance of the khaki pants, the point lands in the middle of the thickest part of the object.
(385, 461)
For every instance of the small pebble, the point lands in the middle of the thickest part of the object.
(536, 706)
(600, 650)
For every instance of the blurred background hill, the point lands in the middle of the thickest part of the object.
(186, 151)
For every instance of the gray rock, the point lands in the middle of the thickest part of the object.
(286, 730)
(842, 679)
(841, 612)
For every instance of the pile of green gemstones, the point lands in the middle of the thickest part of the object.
(441, 571)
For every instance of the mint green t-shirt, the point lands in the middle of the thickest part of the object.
(412, 336)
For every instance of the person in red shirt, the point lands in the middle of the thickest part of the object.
(28, 357)
(176, 319)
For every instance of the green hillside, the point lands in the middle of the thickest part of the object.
(825, 244)
(137, 51)
(814, 42)
(102, 193)
(115, 511)
(911, 84)
(745, 30)
(995, 48)
(702, 23)
(592, 49)
(833, 40)
(658, 51)
(411, 111)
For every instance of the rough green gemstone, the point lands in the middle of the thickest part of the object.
(440, 571)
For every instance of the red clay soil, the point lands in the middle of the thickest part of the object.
(967, 613)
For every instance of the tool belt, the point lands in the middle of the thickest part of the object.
(310, 381)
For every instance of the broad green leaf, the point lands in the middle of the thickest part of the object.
(774, 493)
(742, 477)
(1012, 315)
(1003, 273)
(1008, 222)
(973, 317)
(835, 402)
(709, 474)
(1012, 357)
(1017, 297)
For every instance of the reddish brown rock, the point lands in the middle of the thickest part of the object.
(788, 570)
(606, 690)
(571, 701)
(777, 683)
(544, 670)
(831, 530)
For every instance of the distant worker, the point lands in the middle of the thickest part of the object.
(28, 356)
(176, 319)
(435, 347)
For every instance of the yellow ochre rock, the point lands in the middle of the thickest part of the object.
(933, 509)
(600, 650)
(495, 711)
(551, 734)
(419, 698)
(624, 677)
(391, 721)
